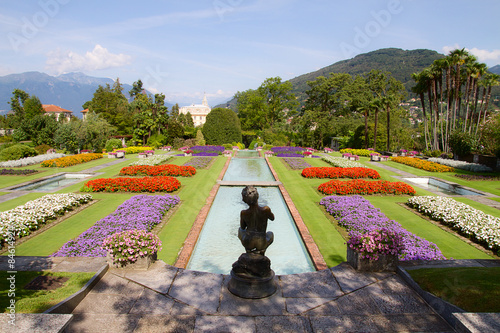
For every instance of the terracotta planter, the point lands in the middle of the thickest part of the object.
(385, 263)
(142, 263)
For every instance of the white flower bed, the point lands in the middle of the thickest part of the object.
(24, 219)
(474, 167)
(152, 160)
(340, 162)
(470, 221)
(29, 160)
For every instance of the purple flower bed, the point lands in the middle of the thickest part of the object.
(477, 177)
(289, 155)
(140, 212)
(207, 149)
(287, 150)
(359, 216)
(296, 163)
(205, 154)
(198, 162)
(4, 172)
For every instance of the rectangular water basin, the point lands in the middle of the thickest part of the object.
(52, 183)
(434, 184)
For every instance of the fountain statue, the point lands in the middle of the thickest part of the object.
(252, 276)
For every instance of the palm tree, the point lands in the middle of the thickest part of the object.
(376, 105)
(421, 88)
(490, 80)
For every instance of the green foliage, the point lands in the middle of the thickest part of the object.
(42, 149)
(16, 152)
(157, 140)
(227, 146)
(6, 138)
(200, 140)
(461, 143)
(222, 126)
(177, 143)
(174, 131)
(66, 137)
(252, 144)
(112, 144)
(40, 130)
(33, 107)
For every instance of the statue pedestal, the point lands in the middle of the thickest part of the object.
(252, 287)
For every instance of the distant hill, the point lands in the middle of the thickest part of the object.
(68, 91)
(401, 63)
(495, 69)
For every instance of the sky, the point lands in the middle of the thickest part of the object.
(219, 47)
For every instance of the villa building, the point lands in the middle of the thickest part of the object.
(197, 111)
(58, 111)
(84, 114)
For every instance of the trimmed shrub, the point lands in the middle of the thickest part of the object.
(16, 152)
(113, 144)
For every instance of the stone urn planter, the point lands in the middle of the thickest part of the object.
(111, 155)
(385, 263)
(142, 263)
(143, 155)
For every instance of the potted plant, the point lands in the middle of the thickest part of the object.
(375, 251)
(120, 153)
(135, 249)
(188, 152)
(307, 154)
(112, 155)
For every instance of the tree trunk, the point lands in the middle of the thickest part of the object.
(388, 128)
(375, 131)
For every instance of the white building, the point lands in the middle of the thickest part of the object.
(197, 111)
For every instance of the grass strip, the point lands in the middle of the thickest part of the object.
(473, 289)
(37, 301)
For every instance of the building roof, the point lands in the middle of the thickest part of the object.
(85, 111)
(54, 108)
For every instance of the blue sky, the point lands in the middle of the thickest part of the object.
(186, 48)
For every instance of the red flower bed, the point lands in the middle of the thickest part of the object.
(158, 170)
(126, 184)
(330, 172)
(359, 186)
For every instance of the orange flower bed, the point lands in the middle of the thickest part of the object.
(158, 170)
(331, 172)
(359, 186)
(422, 164)
(126, 184)
(67, 161)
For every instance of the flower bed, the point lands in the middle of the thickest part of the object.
(17, 172)
(25, 219)
(126, 184)
(359, 186)
(127, 246)
(473, 223)
(289, 155)
(217, 150)
(152, 160)
(478, 177)
(136, 150)
(30, 160)
(158, 170)
(342, 163)
(474, 167)
(359, 152)
(67, 161)
(296, 163)
(283, 151)
(376, 243)
(199, 162)
(359, 217)
(141, 212)
(205, 154)
(422, 164)
(329, 172)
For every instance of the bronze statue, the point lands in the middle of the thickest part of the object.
(253, 223)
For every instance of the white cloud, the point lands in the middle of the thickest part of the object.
(99, 58)
(482, 55)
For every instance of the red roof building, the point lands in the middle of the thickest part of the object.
(58, 111)
(84, 113)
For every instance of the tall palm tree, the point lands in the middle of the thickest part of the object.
(421, 88)
(490, 80)
(376, 105)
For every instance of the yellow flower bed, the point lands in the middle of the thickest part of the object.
(67, 161)
(422, 164)
(135, 150)
(359, 152)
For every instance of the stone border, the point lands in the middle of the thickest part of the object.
(69, 304)
(35, 322)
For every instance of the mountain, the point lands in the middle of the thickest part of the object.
(68, 91)
(495, 69)
(401, 63)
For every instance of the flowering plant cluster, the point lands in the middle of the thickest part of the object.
(359, 186)
(199, 162)
(359, 152)
(328, 150)
(127, 246)
(85, 151)
(141, 212)
(135, 150)
(307, 153)
(359, 217)
(24, 219)
(158, 170)
(4, 172)
(206, 154)
(478, 177)
(474, 167)
(287, 150)
(208, 149)
(153, 160)
(422, 164)
(341, 162)
(188, 151)
(375, 243)
(29, 160)
(403, 150)
(289, 155)
(329, 172)
(483, 228)
(126, 184)
(296, 163)
(71, 160)
(375, 154)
